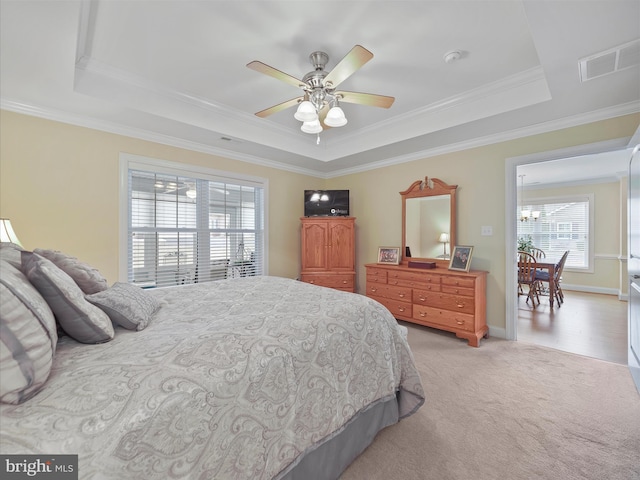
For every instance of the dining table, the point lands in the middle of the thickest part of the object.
(551, 268)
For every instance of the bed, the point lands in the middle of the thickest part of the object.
(248, 378)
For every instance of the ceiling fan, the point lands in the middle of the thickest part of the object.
(173, 187)
(319, 105)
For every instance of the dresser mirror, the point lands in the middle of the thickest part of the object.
(428, 220)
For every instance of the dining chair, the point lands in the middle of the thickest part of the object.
(527, 276)
(538, 253)
(543, 276)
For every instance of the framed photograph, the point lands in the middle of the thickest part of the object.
(390, 255)
(461, 258)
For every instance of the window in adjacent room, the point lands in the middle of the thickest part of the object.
(191, 225)
(565, 223)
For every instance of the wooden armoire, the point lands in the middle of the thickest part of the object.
(328, 252)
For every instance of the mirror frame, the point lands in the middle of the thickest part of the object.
(429, 188)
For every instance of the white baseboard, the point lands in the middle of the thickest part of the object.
(588, 289)
(497, 332)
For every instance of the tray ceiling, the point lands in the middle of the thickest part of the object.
(175, 72)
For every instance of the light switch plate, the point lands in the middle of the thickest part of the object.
(486, 231)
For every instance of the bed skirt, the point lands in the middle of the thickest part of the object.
(327, 460)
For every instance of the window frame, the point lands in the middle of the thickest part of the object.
(129, 161)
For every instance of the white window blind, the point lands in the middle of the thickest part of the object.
(192, 229)
(564, 224)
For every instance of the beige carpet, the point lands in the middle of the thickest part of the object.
(509, 411)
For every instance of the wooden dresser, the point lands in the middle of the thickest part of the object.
(439, 298)
(328, 252)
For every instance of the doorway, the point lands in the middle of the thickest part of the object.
(544, 315)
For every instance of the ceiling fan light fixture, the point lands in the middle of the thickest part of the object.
(306, 112)
(335, 117)
(312, 126)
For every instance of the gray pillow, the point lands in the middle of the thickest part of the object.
(10, 252)
(127, 305)
(28, 337)
(88, 278)
(77, 317)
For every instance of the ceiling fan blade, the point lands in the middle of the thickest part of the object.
(351, 62)
(370, 99)
(322, 114)
(275, 73)
(281, 106)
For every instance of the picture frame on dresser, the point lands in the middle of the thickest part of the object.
(389, 255)
(461, 258)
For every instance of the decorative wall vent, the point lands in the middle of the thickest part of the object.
(610, 61)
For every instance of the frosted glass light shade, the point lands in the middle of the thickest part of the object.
(311, 127)
(6, 232)
(306, 112)
(335, 117)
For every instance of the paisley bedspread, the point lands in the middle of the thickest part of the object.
(234, 379)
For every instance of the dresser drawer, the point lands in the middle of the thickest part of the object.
(411, 279)
(397, 308)
(468, 292)
(389, 291)
(376, 278)
(379, 273)
(446, 301)
(458, 282)
(446, 318)
(342, 282)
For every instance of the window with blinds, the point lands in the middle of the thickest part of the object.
(564, 224)
(185, 229)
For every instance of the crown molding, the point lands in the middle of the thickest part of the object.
(111, 127)
(546, 127)
(140, 134)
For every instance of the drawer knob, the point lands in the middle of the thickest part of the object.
(344, 282)
(460, 322)
(401, 295)
(423, 314)
(374, 290)
(422, 299)
(401, 309)
(460, 305)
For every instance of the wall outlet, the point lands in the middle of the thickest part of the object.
(486, 231)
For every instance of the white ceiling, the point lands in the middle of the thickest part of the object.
(175, 72)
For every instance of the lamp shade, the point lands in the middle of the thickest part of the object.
(335, 117)
(311, 127)
(444, 238)
(306, 112)
(6, 232)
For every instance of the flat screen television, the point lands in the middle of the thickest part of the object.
(326, 203)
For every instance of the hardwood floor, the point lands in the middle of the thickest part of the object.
(588, 324)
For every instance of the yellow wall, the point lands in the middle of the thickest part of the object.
(480, 176)
(59, 186)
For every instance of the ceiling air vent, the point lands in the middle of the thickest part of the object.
(612, 60)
